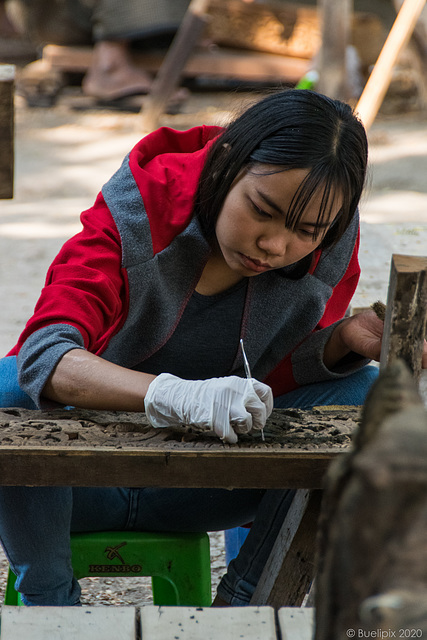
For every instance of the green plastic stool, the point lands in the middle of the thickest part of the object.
(178, 563)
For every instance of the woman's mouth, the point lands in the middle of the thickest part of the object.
(255, 265)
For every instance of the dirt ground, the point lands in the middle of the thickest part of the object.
(63, 156)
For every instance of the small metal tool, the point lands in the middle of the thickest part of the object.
(248, 373)
(245, 361)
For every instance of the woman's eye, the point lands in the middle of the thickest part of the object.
(260, 211)
(308, 233)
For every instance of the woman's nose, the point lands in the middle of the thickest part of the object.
(275, 244)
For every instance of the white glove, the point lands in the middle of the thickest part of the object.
(228, 405)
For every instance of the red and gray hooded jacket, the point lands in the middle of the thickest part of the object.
(119, 287)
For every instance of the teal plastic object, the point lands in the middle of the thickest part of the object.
(178, 563)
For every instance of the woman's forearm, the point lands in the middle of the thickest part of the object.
(82, 379)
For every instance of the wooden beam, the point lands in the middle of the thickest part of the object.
(220, 62)
(139, 467)
(379, 80)
(405, 320)
(7, 84)
(336, 24)
(289, 571)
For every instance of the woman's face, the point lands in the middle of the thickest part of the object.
(251, 228)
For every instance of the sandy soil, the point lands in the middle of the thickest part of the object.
(64, 155)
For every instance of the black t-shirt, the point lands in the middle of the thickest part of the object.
(205, 342)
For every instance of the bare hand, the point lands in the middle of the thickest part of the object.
(363, 333)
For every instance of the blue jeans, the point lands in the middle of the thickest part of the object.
(35, 522)
(11, 394)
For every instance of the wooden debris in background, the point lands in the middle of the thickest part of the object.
(283, 28)
(405, 318)
(287, 28)
(7, 85)
(379, 308)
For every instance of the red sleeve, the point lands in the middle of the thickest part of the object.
(281, 379)
(86, 286)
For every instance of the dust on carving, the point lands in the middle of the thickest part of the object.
(328, 427)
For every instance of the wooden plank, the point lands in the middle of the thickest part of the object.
(7, 85)
(336, 22)
(247, 65)
(320, 429)
(405, 320)
(281, 547)
(289, 571)
(68, 623)
(139, 468)
(225, 63)
(296, 623)
(311, 595)
(121, 449)
(67, 58)
(379, 80)
(196, 623)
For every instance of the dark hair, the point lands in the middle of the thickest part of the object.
(293, 129)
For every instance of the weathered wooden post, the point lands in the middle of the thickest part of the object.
(372, 552)
(405, 319)
(7, 83)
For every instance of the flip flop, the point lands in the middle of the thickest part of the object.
(133, 103)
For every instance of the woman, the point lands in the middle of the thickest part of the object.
(201, 238)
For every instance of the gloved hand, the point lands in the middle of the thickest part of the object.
(229, 405)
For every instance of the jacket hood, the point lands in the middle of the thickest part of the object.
(166, 166)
